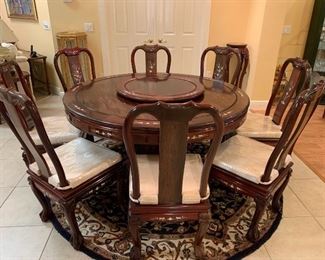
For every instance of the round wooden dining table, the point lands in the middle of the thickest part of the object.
(99, 107)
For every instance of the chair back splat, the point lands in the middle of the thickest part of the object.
(13, 107)
(174, 122)
(222, 62)
(299, 78)
(151, 58)
(74, 56)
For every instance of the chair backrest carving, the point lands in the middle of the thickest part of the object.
(73, 56)
(151, 58)
(222, 63)
(12, 105)
(294, 123)
(299, 78)
(174, 123)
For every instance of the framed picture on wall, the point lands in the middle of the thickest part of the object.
(22, 9)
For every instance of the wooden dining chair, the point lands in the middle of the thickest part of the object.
(58, 128)
(78, 59)
(221, 69)
(171, 186)
(261, 171)
(151, 58)
(64, 174)
(267, 128)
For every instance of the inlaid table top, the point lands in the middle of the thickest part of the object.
(100, 106)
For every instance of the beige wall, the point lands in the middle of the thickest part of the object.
(71, 17)
(298, 16)
(259, 24)
(31, 33)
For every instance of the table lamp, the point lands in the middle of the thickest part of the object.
(8, 50)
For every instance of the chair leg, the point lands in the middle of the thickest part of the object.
(76, 238)
(46, 212)
(253, 233)
(204, 221)
(134, 224)
(278, 194)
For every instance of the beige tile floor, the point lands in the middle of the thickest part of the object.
(301, 234)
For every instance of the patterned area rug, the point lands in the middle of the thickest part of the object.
(104, 226)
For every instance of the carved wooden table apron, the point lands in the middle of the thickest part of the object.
(99, 107)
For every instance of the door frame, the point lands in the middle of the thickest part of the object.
(104, 31)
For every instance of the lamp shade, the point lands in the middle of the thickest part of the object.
(6, 34)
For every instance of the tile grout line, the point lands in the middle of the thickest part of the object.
(13, 188)
(312, 215)
(47, 240)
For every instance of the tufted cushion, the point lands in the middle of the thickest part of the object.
(246, 157)
(81, 160)
(259, 126)
(149, 179)
(58, 129)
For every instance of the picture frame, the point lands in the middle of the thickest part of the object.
(21, 9)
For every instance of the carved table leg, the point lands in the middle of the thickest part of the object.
(76, 238)
(46, 213)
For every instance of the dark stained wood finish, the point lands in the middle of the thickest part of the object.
(12, 105)
(295, 121)
(244, 54)
(10, 74)
(160, 88)
(151, 58)
(221, 64)
(95, 108)
(299, 80)
(174, 122)
(72, 55)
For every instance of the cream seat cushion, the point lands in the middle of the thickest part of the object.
(149, 179)
(81, 160)
(259, 126)
(246, 157)
(58, 129)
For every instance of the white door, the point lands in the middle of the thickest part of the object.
(180, 25)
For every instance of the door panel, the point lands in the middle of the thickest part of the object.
(180, 25)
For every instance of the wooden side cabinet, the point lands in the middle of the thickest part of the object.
(38, 71)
